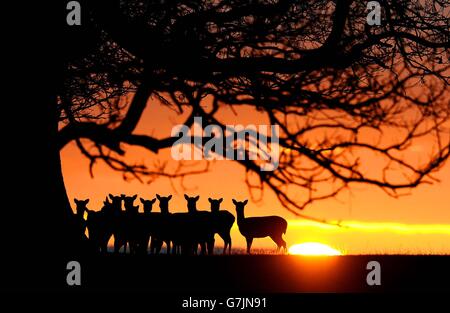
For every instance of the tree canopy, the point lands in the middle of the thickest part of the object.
(343, 92)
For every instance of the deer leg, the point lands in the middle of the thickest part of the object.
(279, 241)
(203, 248)
(226, 241)
(193, 248)
(173, 247)
(283, 244)
(249, 244)
(140, 247)
(211, 246)
(276, 239)
(169, 246)
(119, 244)
(116, 245)
(152, 244)
(101, 244)
(158, 245)
(104, 247)
(145, 245)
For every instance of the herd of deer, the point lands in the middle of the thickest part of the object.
(181, 232)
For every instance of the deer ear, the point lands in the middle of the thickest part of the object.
(186, 197)
(209, 199)
(235, 202)
(142, 200)
(111, 196)
(220, 200)
(86, 201)
(196, 198)
(245, 202)
(153, 200)
(76, 200)
(158, 196)
(169, 197)
(134, 197)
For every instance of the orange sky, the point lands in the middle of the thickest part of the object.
(418, 223)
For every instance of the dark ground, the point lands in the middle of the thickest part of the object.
(288, 283)
(264, 274)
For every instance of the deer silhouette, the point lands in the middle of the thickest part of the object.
(131, 225)
(201, 231)
(118, 224)
(80, 209)
(260, 227)
(222, 222)
(163, 231)
(147, 205)
(100, 226)
(176, 229)
(129, 204)
(148, 220)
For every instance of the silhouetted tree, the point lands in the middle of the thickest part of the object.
(342, 91)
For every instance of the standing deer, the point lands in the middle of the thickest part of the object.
(164, 230)
(81, 208)
(222, 222)
(260, 227)
(201, 230)
(100, 226)
(117, 223)
(148, 222)
(131, 224)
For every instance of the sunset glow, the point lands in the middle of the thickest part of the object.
(377, 227)
(370, 221)
(313, 248)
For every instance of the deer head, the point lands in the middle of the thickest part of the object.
(164, 203)
(107, 206)
(129, 204)
(80, 206)
(215, 204)
(191, 203)
(148, 204)
(116, 202)
(240, 207)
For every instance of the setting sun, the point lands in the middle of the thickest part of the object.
(313, 248)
